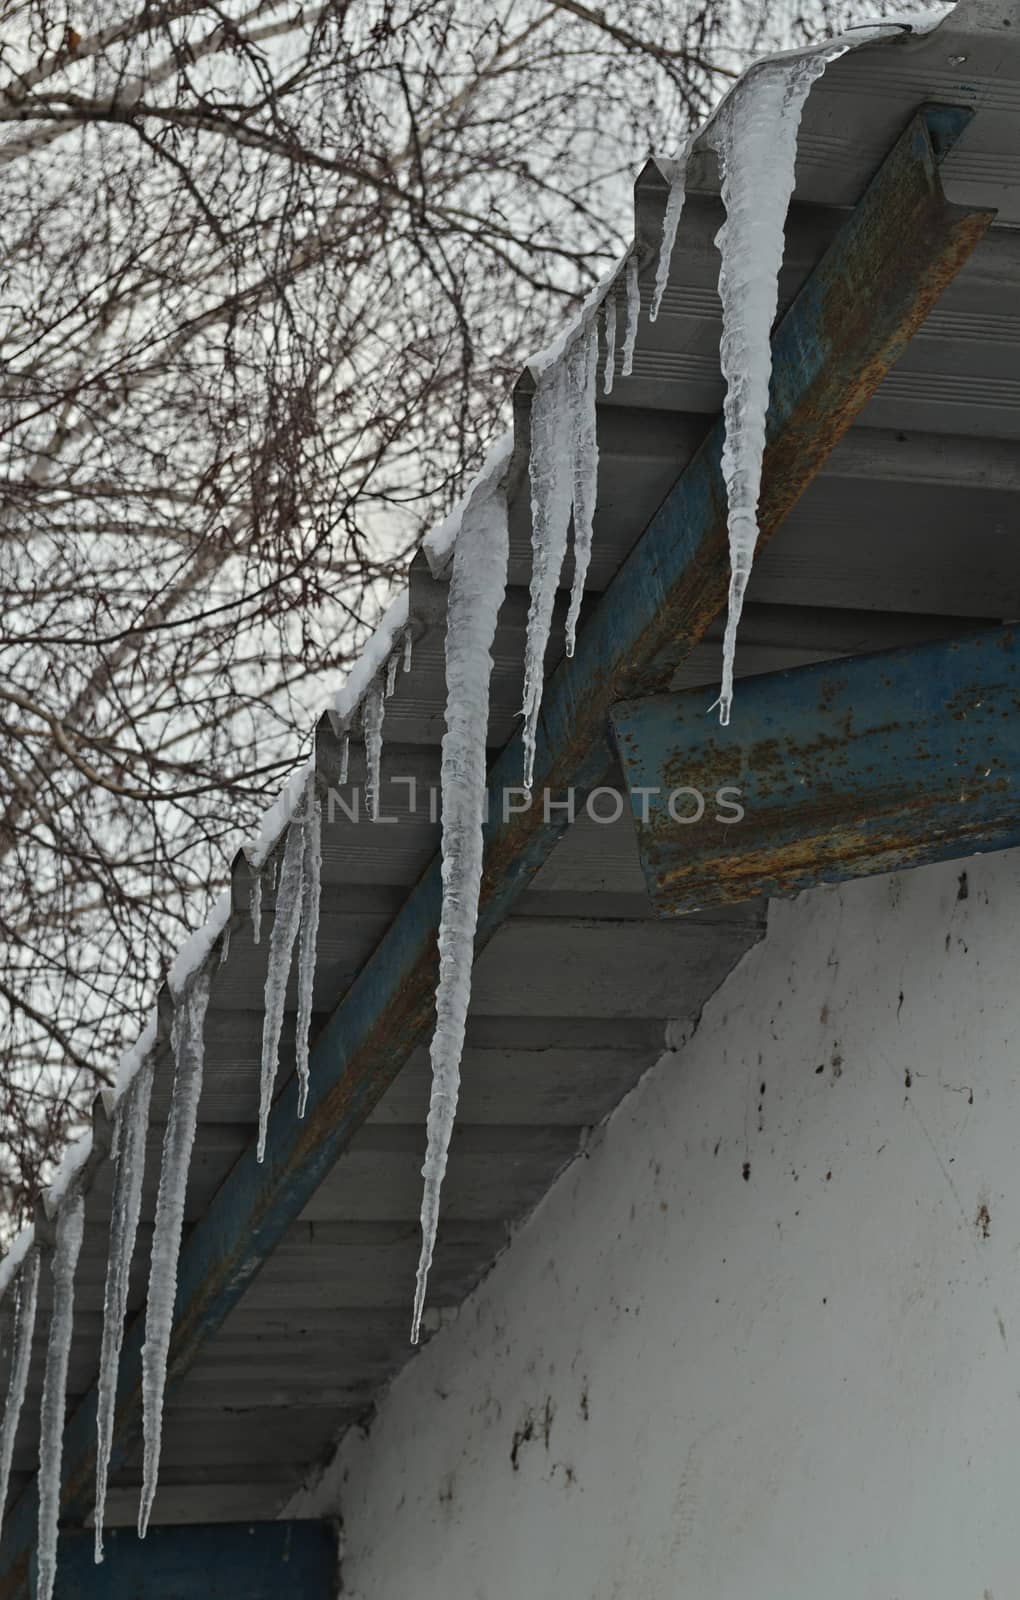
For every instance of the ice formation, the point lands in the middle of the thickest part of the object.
(609, 372)
(70, 1230)
(256, 909)
(391, 674)
(755, 134)
(585, 355)
(477, 587)
(670, 223)
(408, 650)
(281, 947)
(563, 469)
(21, 1357)
(372, 659)
(225, 946)
(187, 1043)
(633, 315)
(131, 1127)
(311, 879)
(373, 713)
(345, 759)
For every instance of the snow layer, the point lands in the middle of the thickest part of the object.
(11, 1263)
(21, 1357)
(311, 887)
(477, 588)
(72, 1161)
(281, 947)
(70, 1230)
(373, 659)
(130, 1130)
(187, 1043)
(438, 545)
(756, 137)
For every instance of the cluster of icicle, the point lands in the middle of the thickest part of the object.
(755, 134)
(756, 137)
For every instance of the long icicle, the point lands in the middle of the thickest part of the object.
(373, 712)
(586, 469)
(477, 587)
(311, 887)
(549, 467)
(281, 950)
(633, 315)
(256, 907)
(756, 137)
(178, 1141)
(609, 372)
(131, 1129)
(70, 1230)
(670, 223)
(21, 1358)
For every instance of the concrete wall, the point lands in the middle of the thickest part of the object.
(764, 1339)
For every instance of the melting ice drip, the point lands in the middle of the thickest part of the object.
(477, 586)
(21, 1356)
(755, 134)
(178, 1142)
(131, 1126)
(563, 468)
(297, 907)
(70, 1230)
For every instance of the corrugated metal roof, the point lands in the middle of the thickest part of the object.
(910, 526)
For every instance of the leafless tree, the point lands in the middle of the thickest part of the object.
(268, 271)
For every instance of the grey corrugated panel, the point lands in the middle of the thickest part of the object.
(907, 533)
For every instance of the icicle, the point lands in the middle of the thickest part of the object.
(186, 1038)
(756, 137)
(609, 372)
(633, 315)
(477, 586)
(372, 717)
(21, 1358)
(586, 470)
(391, 674)
(551, 475)
(281, 947)
(345, 758)
(70, 1229)
(311, 880)
(563, 467)
(272, 875)
(130, 1130)
(670, 223)
(225, 946)
(256, 909)
(408, 649)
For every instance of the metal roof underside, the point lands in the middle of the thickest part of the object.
(911, 527)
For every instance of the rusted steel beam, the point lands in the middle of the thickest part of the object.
(850, 322)
(833, 771)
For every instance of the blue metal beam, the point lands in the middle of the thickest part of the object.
(850, 322)
(213, 1561)
(843, 769)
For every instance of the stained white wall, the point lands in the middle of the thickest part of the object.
(764, 1340)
